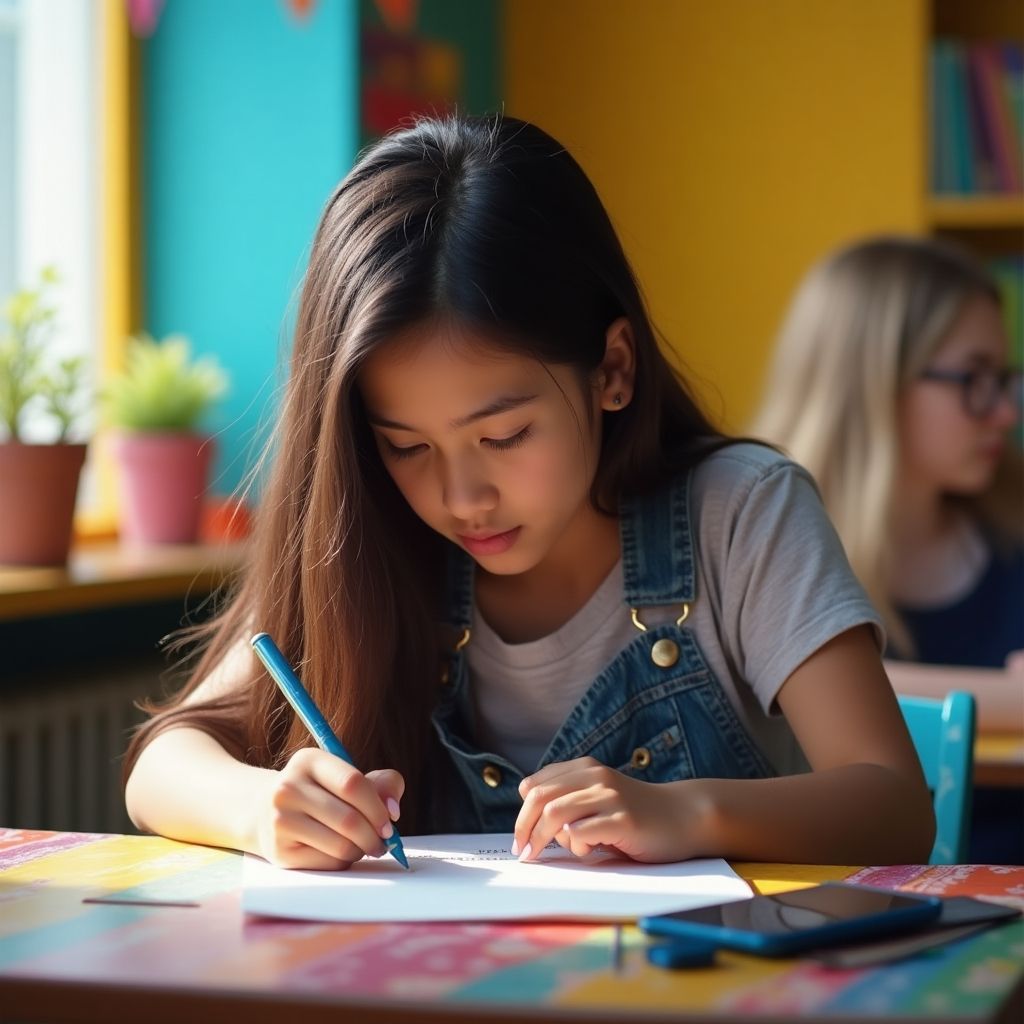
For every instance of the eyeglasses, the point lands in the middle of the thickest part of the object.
(981, 390)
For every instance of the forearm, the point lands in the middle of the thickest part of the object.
(999, 694)
(855, 814)
(186, 786)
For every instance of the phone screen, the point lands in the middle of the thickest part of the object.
(788, 913)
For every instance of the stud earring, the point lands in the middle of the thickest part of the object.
(617, 398)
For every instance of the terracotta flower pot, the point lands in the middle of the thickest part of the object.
(163, 481)
(38, 487)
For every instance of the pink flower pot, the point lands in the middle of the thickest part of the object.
(163, 481)
(38, 486)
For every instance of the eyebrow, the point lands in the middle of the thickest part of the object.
(503, 404)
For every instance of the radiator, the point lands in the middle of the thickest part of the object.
(61, 747)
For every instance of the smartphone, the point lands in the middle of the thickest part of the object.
(791, 922)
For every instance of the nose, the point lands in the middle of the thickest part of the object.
(467, 491)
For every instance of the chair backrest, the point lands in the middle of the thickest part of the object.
(943, 734)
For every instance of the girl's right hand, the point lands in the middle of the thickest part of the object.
(319, 812)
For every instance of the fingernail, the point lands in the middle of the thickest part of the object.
(565, 827)
(515, 847)
(386, 829)
(393, 808)
(527, 850)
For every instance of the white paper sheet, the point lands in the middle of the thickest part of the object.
(475, 878)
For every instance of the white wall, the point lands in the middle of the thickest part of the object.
(56, 166)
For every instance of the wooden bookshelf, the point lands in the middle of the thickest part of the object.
(991, 224)
(978, 19)
(982, 211)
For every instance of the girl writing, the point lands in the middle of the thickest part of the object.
(525, 579)
(891, 383)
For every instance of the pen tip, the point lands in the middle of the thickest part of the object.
(399, 854)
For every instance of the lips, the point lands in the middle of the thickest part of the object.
(489, 544)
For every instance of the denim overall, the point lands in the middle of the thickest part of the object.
(656, 712)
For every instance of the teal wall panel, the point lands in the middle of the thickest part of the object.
(250, 117)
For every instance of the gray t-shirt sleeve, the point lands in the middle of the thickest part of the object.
(784, 583)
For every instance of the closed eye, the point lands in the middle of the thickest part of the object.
(497, 443)
(407, 452)
(506, 443)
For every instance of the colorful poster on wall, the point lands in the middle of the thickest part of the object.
(405, 72)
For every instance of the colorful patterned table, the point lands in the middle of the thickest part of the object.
(131, 928)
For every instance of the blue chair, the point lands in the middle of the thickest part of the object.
(943, 735)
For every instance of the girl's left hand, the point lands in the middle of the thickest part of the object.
(583, 804)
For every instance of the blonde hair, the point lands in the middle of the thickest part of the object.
(863, 324)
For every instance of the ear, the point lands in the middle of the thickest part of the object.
(617, 372)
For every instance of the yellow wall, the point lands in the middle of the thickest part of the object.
(118, 255)
(733, 143)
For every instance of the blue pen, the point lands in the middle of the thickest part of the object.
(295, 693)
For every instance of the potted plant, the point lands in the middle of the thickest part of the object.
(38, 477)
(163, 458)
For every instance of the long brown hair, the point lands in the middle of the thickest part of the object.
(486, 222)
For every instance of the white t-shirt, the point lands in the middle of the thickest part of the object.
(773, 586)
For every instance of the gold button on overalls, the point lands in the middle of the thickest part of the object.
(665, 653)
(491, 775)
(641, 758)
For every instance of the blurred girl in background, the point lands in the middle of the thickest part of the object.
(892, 383)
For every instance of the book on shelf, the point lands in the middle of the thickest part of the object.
(1013, 60)
(976, 104)
(982, 129)
(995, 101)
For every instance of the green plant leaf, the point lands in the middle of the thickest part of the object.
(27, 380)
(161, 388)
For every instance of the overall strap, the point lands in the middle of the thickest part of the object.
(658, 562)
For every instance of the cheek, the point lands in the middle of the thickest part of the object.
(558, 472)
(933, 431)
